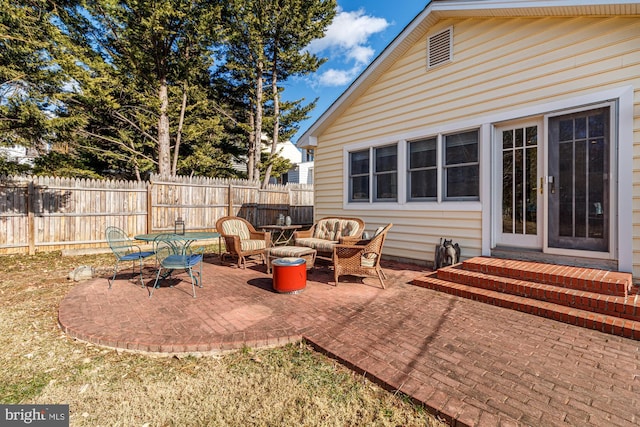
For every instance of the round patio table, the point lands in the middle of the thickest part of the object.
(182, 240)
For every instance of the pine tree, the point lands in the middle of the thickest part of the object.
(32, 85)
(265, 46)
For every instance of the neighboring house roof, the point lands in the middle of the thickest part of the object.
(289, 151)
(286, 149)
(438, 10)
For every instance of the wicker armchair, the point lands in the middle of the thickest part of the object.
(241, 238)
(361, 258)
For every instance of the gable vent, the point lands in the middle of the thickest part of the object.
(439, 48)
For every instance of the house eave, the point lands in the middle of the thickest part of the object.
(438, 10)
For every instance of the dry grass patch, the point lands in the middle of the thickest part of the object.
(286, 386)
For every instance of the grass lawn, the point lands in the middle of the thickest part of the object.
(289, 386)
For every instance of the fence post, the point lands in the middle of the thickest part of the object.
(31, 224)
(230, 207)
(149, 208)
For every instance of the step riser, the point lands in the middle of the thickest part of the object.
(616, 284)
(597, 303)
(611, 325)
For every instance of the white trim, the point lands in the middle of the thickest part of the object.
(439, 167)
(312, 141)
(486, 195)
(457, 5)
(471, 206)
(625, 180)
(402, 202)
(401, 168)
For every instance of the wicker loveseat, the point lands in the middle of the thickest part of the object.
(328, 232)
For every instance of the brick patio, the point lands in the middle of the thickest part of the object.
(471, 363)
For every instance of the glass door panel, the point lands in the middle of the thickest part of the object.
(579, 180)
(519, 201)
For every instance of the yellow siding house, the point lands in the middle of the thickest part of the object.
(508, 126)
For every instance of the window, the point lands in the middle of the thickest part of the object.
(359, 176)
(461, 169)
(386, 173)
(436, 168)
(383, 176)
(422, 176)
(308, 155)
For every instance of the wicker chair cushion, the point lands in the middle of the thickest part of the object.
(252, 245)
(378, 231)
(334, 229)
(368, 259)
(236, 228)
(321, 245)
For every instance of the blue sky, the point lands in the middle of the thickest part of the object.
(359, 32)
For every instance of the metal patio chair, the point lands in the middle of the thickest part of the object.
(173, 254)
(124, 249)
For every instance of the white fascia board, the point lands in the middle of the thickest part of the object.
(459, 5)
(307, 141)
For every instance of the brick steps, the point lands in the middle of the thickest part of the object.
(579, 278)
(594, 299)
(621, 306)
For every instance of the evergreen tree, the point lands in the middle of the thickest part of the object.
(32, 85)
(152, 56)
(265, 45)
(293, 24)
(124, 89)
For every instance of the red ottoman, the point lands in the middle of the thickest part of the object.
(289, 275)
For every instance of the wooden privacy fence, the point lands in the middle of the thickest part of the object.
(48, 214)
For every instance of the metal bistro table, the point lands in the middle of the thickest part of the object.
(176, 253)
(280, 234)
(183, 241)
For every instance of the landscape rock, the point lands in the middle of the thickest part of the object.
(83, 272)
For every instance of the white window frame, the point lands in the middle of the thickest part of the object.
(350, 176)
(372, 175)
(402, 197)
(435, 167)
(375, 174)
(445, 167)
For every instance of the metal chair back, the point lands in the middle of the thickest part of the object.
(118, 241)
(172, 254)
(124, 249)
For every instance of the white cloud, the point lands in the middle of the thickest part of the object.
(361, 54)
(347, 41)
(333, 77)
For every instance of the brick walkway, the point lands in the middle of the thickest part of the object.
(472, 363)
